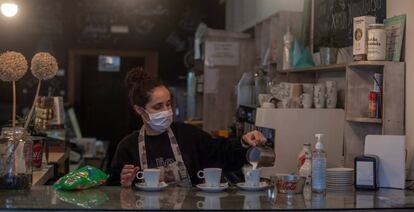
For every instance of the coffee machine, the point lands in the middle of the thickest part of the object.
(294, 127)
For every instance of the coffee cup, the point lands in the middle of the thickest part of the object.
(211, 176)
(151, 177)
(306, 100)
(251, 176)
(149, 202)
(209, 203)
(319, 95)
(268, 105)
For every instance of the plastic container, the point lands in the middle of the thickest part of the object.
(319, 167)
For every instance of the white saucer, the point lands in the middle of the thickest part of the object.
(144, 187)
(261, 186)
(206, 188)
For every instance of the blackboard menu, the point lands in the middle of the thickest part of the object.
(334, 18)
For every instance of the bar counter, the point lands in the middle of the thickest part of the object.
(41, 198)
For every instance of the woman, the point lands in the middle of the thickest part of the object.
(178, 149)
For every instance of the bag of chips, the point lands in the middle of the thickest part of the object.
(82, 178)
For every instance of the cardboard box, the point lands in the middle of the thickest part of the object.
(360, 36)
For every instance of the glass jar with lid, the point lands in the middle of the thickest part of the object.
(377, 39)
(16, 156)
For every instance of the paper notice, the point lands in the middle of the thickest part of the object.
(222, 54)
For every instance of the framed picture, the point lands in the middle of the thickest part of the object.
(394, 27)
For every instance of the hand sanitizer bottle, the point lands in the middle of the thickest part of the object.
(319, 167)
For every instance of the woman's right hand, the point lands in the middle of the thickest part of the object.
(128, 174)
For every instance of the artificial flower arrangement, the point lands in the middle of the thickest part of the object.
(18, 150)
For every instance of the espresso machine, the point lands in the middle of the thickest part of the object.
(294, 127)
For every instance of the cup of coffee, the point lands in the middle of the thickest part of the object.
(251, 176)
(151, 177)
(211, 176)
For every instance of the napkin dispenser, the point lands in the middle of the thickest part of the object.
(366, 172)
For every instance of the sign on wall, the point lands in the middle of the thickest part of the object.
(221, 53)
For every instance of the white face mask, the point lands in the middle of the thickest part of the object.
(160, 121)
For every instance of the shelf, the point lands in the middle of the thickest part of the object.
(325, 68)
(40, 177)
(371, 63)
(364, 120)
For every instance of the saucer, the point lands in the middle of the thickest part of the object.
(206, 188)
(144, 187)
(261, 186)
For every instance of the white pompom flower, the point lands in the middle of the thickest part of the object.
(13, 66)
(44, 66)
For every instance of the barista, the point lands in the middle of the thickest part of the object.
(179, 150)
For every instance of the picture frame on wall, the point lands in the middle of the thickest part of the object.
(394, 28)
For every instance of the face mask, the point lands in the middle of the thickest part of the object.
(160, 121)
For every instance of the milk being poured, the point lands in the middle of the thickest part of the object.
(254, 164)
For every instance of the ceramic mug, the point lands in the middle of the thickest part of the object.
(150, 176)
(211, 176)
(319, 95)
(331, 94)
(308, 88)
(306, 100)
(150, 202)
(209, 203)
(251, 176)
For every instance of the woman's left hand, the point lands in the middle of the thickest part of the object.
(254, 138)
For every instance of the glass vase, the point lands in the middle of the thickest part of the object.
(16, 156)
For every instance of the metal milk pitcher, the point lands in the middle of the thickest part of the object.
(261, 156)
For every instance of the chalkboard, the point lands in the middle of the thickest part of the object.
(335, 17)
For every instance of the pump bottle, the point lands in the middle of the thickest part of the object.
(319, 166)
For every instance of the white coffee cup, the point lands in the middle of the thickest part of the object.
(306, 100)
(286, 103)
(211, 176)
(252, 202)
(331, 94)
(263, 98)
(308, 88)
(149, 202)
(150, 176)
(251, 176)
(209, 203)
(319, 95)
(268, 105)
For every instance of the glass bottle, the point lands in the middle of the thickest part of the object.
(306, 151)
(16, 156)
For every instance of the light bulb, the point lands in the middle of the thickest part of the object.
(9, 9)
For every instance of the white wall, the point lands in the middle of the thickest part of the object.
(244, 14)
(396, 8)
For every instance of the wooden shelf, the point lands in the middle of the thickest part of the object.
(40, 177)
(325, 68)
(371, 63)
(364, 120)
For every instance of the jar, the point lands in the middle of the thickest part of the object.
(377, 39)
(16, 155)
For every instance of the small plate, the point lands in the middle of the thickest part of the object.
(144, 187)
(261, 186)
(206, 188)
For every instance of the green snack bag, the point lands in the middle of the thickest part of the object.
(82, 178)
(86, 198)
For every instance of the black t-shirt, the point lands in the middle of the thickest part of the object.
(159, 152)
(199, 150)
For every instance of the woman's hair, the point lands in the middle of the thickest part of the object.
(140, 86)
